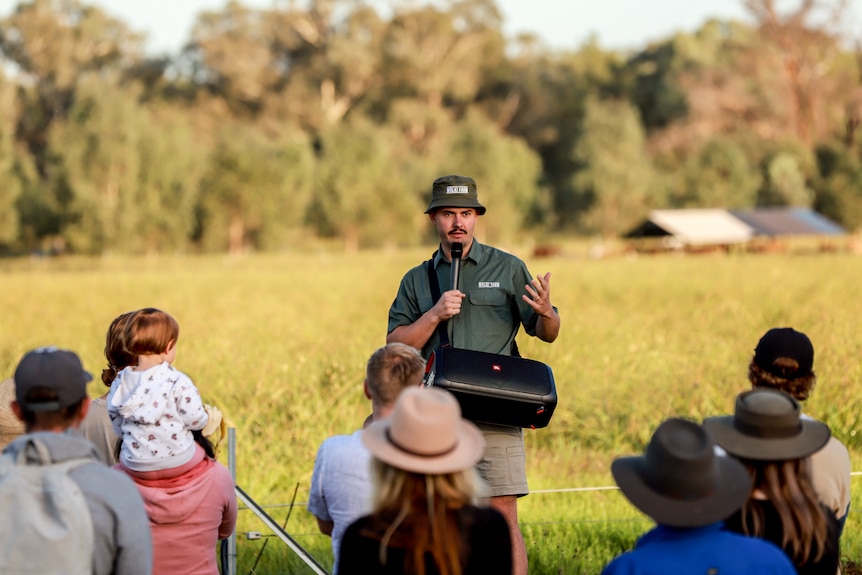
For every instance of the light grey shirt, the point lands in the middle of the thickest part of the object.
(98, 429)
(341, 485)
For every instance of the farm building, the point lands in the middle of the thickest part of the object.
(776, 222)
(705, 229)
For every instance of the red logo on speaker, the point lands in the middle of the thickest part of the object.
(496, 367)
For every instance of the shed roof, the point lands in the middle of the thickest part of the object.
(696, 227)
(781, 221)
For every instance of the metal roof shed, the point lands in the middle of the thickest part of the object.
(788, 222)
(695, 227)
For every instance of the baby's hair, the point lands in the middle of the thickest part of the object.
(150, 331)
(115, 348)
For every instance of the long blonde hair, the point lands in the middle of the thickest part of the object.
(421, 514)
(787, 485)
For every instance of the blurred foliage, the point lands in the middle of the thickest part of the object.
(329, 119)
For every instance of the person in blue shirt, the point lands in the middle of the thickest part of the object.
(688, 490)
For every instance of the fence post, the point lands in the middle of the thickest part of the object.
(231, 462)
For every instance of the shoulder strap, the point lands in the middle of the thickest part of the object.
(442, 332)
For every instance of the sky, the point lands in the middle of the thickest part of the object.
(560, 24)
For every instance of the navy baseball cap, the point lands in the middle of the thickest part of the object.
(54, 369)
(785, 342)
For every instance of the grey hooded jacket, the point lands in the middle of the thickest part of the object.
(122, 542)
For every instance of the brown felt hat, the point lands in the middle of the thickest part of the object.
(679, 480)
(425, 434)
(767, 425)
(455, 192)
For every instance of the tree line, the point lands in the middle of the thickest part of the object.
(331, 120)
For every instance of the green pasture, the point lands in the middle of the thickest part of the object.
(280, 343)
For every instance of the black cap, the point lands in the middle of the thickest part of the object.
(784, 342)
(55, 369)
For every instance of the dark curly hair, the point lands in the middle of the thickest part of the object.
(798, 387)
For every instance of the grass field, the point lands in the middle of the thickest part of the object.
(280, 343)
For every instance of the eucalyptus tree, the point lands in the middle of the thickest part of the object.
(507, 172)
(615, 173)
(804, 37)
(545, 93)
(330, 58)
(785, 77)
(173, 159)
(787, 185)
(50, 46)
(364, 193)
(716, 108)
(839, 186)
(231, 58)
(94, 165)
(11, 188)
(122, 176)
(719, 175)
(255, 189)
(790, 172)
(440, 53)
(53, 44)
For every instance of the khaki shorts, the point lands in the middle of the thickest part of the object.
(504, 464)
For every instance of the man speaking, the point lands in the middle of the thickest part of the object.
(495, 296)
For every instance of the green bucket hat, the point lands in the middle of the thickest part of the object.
(455, 192)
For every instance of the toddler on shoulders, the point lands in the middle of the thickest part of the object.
(153, 406)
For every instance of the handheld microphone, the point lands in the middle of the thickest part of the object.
(456, 252)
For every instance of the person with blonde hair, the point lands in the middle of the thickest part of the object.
(769, 437)
(426, 520)
(341, 481)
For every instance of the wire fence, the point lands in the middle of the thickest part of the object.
(249, 504)
(532, 492)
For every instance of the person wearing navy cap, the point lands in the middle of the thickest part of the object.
(51, 398)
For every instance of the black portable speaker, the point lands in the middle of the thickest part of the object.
(492, 388)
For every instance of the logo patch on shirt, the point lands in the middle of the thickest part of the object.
(489, 284)
(457, 190)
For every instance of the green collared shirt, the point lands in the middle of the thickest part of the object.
(491, 313)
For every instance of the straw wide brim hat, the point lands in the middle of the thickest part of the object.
(10, 426)
(767, 425)
(680, 481)
(425, 434)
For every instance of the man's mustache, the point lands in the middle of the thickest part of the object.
(455, 230)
